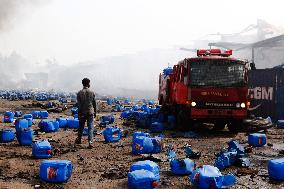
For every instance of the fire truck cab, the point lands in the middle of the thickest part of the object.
(211, 87)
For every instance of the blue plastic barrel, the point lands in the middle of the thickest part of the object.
(21, 124)
(30, 121)
(74, 110)
(257, 139)
(27, 116)
(276, 169)
(138, 133)
(7, 135)
(207, 177)
(146, 165)
(112, 134)
(18, 113)
(48, 126)
(103, 123)
(35, 114)
(182, 166)
(62, 122)
(73, 123)
(157, 147)
(225, 159)
(43, 114)
(142, 145)
(135, 108)
(25, 136)
(109, 101)
(41, 149)
(125, 114)
(280, 124)
(109, 118)
(142, 179)
(55, 171)
(8, 117)
(235, 146)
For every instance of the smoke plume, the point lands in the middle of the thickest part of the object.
(13, 10)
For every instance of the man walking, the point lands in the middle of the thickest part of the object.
(86, 111)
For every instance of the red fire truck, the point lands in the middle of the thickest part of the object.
(211, 87)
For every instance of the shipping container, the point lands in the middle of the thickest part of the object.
(266, 92)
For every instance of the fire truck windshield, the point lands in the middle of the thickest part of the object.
(219, 73)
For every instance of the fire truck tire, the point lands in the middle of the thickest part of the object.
(219, 125)
(235, 126)
(161, 100)
(182, 121)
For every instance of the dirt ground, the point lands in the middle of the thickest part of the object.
(106, 165)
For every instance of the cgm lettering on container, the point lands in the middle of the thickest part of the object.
(261, 93)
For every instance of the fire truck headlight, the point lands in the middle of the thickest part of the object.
(193, 104)
(243, 105)
(238, 105)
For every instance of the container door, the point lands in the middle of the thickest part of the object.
(280, 96)
(262, 92)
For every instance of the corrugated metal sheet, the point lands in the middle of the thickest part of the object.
(266, 91)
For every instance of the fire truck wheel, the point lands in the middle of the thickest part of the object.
(182, 121)
(219, 125)
(234, 126)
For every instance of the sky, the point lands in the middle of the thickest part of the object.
(72, 31)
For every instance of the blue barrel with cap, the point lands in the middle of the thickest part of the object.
(55, 171)
(276, 169)
(21, 124)
(48, 126)
(8, 117)
(142, 145)
(62, 122)
(142, 179)
(73, 123)
(25, 136)
(7, 135)
(207, 177)
(146, 165)
(41, 149)
(182, 166)
(257, 139)
(112, 134)
(43, 114)
(35, 114)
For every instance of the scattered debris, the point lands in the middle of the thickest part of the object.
(189, 153)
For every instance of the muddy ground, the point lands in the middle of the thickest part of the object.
(106, 165)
